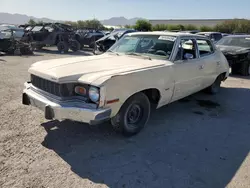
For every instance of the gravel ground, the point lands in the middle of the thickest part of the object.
(201, 141)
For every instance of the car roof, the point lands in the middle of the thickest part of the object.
(174, 34)
(236, 36)
(209, 32)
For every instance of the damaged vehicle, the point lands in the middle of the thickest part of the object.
(141, 71)
(88, 37)
(10, 45)
(104, 43)
(17, 32)
(50, 34)
(214, 36)
(236, 48)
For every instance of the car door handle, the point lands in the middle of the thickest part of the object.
(201, 67)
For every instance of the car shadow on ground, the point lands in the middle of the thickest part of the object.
(50, 51)
(200, 141)
(240, 77)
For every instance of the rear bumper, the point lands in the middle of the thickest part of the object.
(63, 110)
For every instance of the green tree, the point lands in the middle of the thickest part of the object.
(81, 24)
(235, 25)
(160, 27)
(143, 25)
(174, 27)
(128, 26)
(205, 28)
(95, 24)
(181, 27)
(73, 24)
(31, 22)
(190, 27)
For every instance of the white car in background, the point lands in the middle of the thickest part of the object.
(141, 70)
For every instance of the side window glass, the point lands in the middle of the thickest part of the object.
(217, 37)
(204, 47)
(186, 50)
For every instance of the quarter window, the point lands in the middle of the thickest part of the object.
(204, 47)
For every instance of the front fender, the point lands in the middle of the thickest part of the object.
(119, 88)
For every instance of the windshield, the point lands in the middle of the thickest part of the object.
(155, 46)
(235, 41)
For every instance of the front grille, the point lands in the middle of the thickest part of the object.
(60, 90)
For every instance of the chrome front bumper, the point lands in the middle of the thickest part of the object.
(62, 110)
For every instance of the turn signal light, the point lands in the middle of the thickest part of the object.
(80, 90)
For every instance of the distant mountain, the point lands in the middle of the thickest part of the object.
(22, 19)
(117, 21)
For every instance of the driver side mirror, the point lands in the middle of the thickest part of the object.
(188, 56)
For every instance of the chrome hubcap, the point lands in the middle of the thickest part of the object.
(134, 114)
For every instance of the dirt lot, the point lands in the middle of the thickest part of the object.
(202, 141)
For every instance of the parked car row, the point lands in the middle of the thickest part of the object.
(57, 34)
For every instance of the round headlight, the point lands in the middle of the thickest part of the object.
(94, 94)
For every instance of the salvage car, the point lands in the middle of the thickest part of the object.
(61, 35)
(141, 71)
(104, 43)
(214, 36)
(88, 37)
(236, 48)
(10, 45)
(17, 32)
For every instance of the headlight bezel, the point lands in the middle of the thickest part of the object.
(94, 94)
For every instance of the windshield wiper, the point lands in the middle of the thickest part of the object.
(137, 54)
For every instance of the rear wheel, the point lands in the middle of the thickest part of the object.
(215, 87)
(63, 47)
(133, 115)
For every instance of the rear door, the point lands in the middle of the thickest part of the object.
(210, 61)
(188, 73)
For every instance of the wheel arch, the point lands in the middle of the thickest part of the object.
(153, 94)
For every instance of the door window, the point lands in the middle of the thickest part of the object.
(186, 50)
(205, 47)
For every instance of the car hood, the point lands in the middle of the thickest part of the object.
(90, 68)
(232, 49)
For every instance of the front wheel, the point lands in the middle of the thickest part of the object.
(63, 47)
(133, 115)
(75, 46)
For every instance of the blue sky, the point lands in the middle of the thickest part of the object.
(150, 9)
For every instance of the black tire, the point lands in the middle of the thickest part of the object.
(137, 107)
(63, 47)
(75, 46)
(244, 69)
(215, 87)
